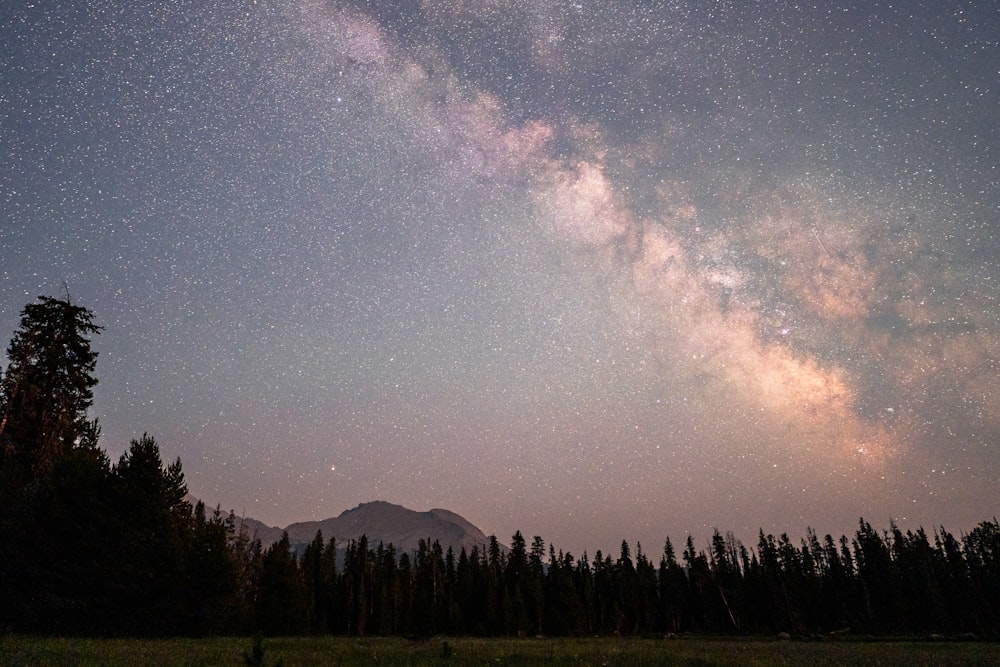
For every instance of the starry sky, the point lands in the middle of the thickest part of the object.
(591, 270)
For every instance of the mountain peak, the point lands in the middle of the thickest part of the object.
(385, 522)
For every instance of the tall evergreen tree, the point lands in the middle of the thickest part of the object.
(583, 579)
(211, 575)
(628, 594)
(357, 582)
(646, 575)
(47, 387)
(607, 607)
(61, 559)
(152, 537)
(672, 584)
(319, 573)
(388, 592)
(404, 592)
(532, 585)
(50, 469)
(877, 573)
(982, 555)
(517, 572)
(283, 607)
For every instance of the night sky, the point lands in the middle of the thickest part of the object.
(592, 270)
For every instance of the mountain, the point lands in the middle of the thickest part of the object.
(382, 522)
(267, 535)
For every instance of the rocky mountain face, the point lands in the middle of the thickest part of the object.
(382, 522)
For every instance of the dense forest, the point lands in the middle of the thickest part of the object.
(88, 546)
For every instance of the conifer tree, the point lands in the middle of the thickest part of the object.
(282, 607)
(211, 574)
(154, 532)
(49, 465)
(48, 385)
(672, 582)
(319, 572)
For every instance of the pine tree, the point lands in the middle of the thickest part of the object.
(282, 607)
(877, 573)
(982, 556)
(404, 594)
(532, 585)
(50, 469)
(628, 594)
(516, 573)
(494, 598)
(466, 602)
(319, 572)
(646, 575)
(47, 388)
(672, 584)
(387, 591)
(211, 574)
(583, 581)
(154, 532)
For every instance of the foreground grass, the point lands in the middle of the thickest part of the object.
(293, 652)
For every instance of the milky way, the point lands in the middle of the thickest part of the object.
(589, 270)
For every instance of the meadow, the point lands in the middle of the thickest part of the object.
(293, 652)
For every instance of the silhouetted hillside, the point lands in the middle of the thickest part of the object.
(382, 522)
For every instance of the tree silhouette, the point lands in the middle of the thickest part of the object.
(47, 387)
(50, 468)
(282, 609)
(153, 535)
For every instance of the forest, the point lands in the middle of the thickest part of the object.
(94, 547)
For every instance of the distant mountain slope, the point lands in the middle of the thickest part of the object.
(382, 522)
(267, 535)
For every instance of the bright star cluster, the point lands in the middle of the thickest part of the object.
(595, 271)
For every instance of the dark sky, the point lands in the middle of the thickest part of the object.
(591, 270)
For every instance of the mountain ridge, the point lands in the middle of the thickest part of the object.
(379, 521)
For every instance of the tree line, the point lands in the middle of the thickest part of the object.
(94, 547)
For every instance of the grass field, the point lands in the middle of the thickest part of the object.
(293, 652)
